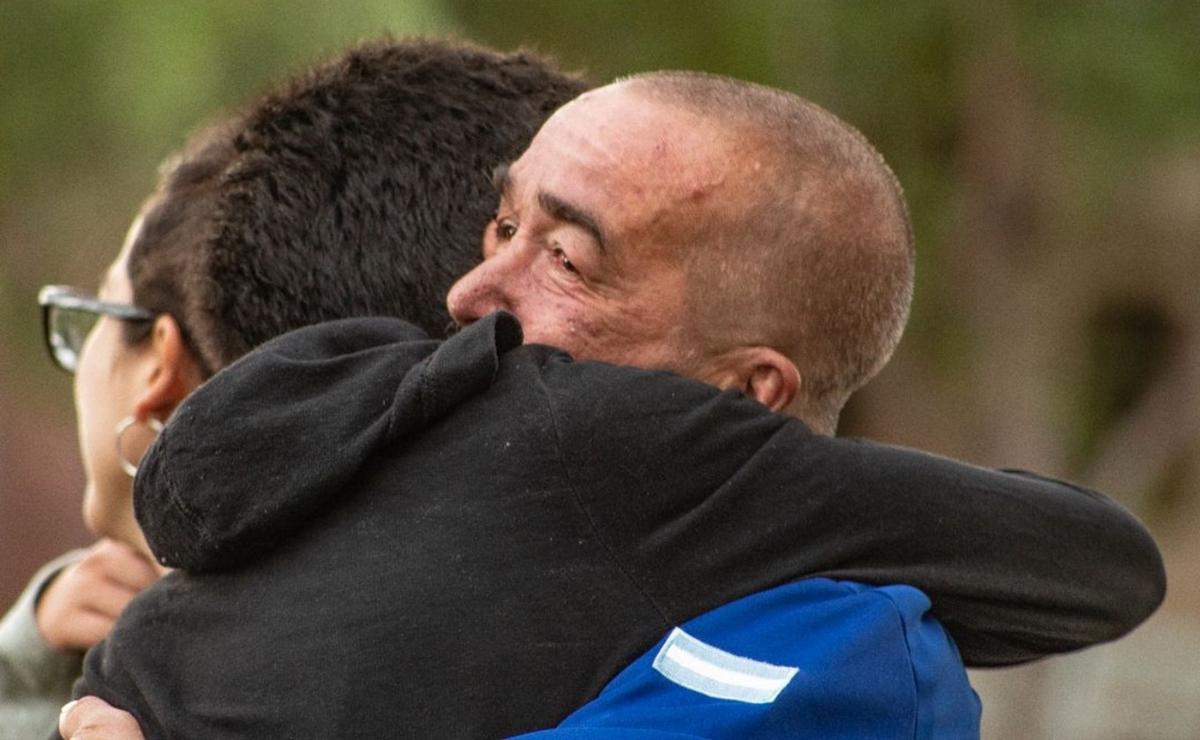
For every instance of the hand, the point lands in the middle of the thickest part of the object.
(79, 607)
(94, 719)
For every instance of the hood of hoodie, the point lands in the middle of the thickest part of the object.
(271, 441)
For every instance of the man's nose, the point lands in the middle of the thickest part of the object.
(485, 289)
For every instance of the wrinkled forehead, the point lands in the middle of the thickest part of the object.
(639, 162)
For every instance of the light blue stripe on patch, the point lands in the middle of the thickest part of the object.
(713, 672)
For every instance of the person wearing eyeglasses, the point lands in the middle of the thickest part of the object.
(162, 321)
(73, 601)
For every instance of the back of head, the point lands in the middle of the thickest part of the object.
(361, 188)
(816, 260)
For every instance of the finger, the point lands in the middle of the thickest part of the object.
(124, 565)
(106, 598)
(93, 719)
(68, 719)
(88, 628)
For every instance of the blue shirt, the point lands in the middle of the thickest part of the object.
(811, 659)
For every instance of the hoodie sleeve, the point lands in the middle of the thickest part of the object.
(280, 435)
(705, 496)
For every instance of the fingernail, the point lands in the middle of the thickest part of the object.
(66, 708)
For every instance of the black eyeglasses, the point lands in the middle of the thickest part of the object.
(68, 316)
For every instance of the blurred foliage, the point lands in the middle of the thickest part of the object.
(98, 80)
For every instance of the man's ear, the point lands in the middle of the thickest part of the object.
(171, 371)
(762, 373)
(773, 379)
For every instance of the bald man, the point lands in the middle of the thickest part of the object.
(726, 231)
(732, 234)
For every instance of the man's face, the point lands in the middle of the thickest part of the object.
(594, 223)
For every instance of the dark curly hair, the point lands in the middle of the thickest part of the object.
(360, 188)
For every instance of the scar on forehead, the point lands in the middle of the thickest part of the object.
(701, 187)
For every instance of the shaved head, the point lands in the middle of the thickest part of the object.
(815, 257)
(722, 230)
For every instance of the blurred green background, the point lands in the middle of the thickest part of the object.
(1050, 154)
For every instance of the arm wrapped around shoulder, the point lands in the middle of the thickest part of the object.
(1018, 566)
(707, 497)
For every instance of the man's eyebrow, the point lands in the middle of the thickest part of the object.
(558, 208)
(564, 211)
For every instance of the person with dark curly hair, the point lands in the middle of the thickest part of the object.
(359, 189)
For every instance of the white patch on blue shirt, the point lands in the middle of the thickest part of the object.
(713, 672)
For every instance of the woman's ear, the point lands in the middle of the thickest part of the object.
(172, 371)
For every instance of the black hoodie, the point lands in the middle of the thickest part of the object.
(378, 535)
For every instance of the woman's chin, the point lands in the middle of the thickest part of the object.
(105, 518)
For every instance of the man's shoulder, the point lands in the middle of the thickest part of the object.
(814, 658)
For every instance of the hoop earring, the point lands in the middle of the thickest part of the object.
(124, 426)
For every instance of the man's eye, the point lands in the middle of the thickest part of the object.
(563, 262)
(505, 229)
